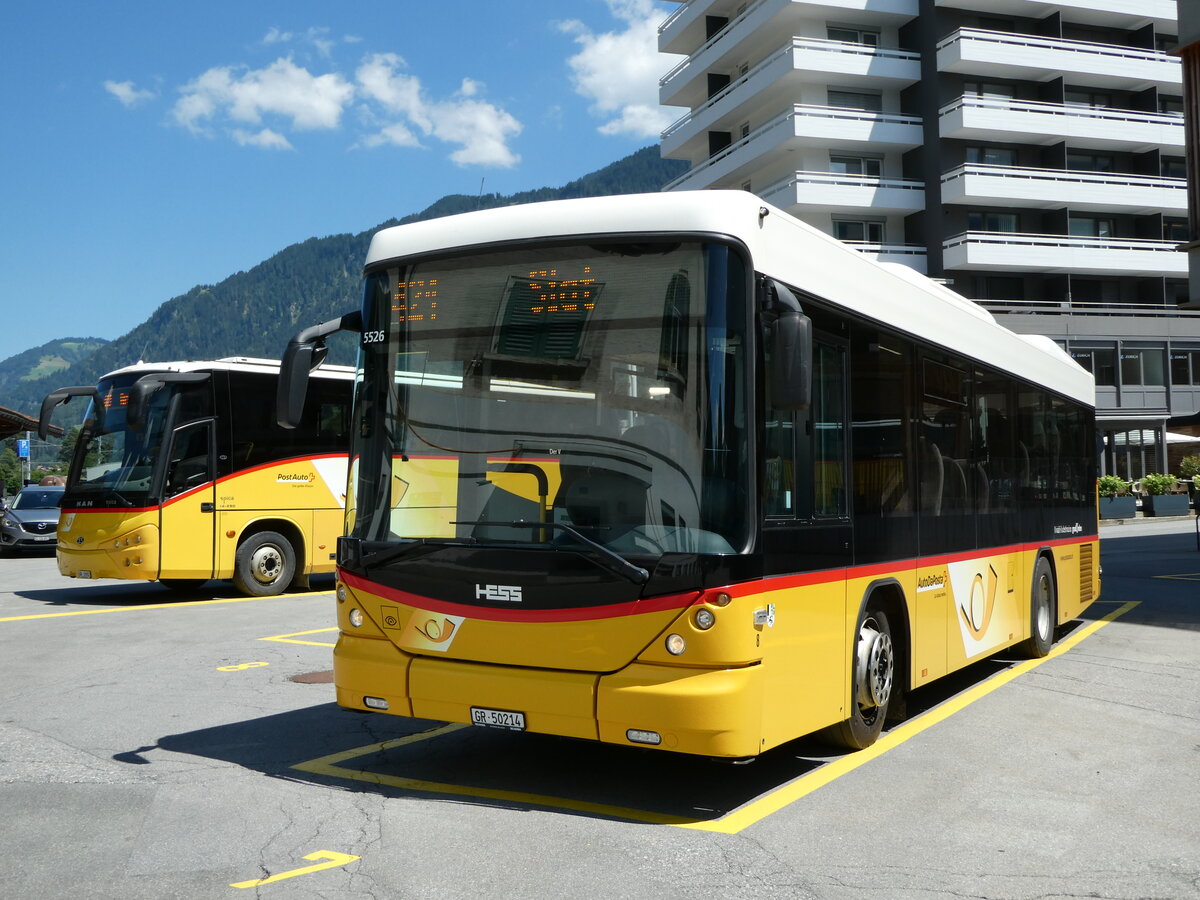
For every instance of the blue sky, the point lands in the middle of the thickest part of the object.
(147, 147)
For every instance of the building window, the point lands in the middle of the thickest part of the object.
(988, 89)
(992, 156)
(1185, 368)
(1171, 105)
(856, 165)
(862, 230)
(1082, 161)
(1078, 97)
(992, 221)
(1175, 231)
(856, 100)
(1173, 167)
(1100, 361)
(1091, 226)
(1166, 43)
(850, 35)
(1001, 287)
(1142, 368)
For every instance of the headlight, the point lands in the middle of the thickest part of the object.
(356, 617)
(676, 644)
(704, 619)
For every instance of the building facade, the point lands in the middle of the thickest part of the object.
(1028, 154)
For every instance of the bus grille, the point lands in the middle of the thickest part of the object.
(1086, 583)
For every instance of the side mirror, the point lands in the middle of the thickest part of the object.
(305, 351)
(147, 386)
(62, 395)
(790, 373)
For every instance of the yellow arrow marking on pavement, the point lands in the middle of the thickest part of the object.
(335, 860)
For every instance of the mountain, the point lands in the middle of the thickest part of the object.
(48, 360)
(253, 313)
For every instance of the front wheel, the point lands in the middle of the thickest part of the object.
(264, 564)
(1043, 608)
(873, 679)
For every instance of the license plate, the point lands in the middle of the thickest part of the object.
(48, 537)
(498, 718)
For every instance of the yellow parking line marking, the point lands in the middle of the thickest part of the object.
(328, 765)
(804, 785)
(240, 667)
(1191, 576)
(335, 860)
(287, 638)
(737, 820)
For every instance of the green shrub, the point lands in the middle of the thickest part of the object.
(1189, 466)
(1112, 486)
(1157, 483)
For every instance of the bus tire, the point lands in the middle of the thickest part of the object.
(873, 680)
(264, 564)
(182, 585)
(1043, 609)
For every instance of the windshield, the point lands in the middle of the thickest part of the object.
(585, 392)
(38, 498)
(115, 466)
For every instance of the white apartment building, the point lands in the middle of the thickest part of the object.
(1029, 154)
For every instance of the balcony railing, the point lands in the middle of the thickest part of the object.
(799, 110)
(725, 29)
(1090, 308)
(1098, 54)
(1048, 186)
(839, 47)
(1100, 125)
(913, 192)
(679, 11)
(1069, 253)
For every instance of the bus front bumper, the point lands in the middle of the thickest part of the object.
(133, 556)
(709, 712)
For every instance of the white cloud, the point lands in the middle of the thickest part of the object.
(275, 36)
(129, 95)
(282, 89)
(619, 70)
(481, 129)
(265, 139)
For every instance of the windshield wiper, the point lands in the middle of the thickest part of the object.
(609, 559)
(409, 548)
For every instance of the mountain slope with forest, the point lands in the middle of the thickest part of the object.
(253, 313)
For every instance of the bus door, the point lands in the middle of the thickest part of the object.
(189, 499)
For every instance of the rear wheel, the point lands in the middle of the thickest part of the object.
(873, 677)
(1043, 610)
(264, 564)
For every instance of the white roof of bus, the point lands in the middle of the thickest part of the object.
(782, 247)
(226, 364)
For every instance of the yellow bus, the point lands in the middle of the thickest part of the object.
(181, 474)
(679, 471)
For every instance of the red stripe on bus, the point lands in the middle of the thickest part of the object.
(682, 601)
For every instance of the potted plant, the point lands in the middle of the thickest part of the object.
(1161, 497)
(1115, 500)
(1189, 468)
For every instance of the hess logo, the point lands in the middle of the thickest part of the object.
(500, 593)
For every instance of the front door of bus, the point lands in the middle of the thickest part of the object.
(187, 520)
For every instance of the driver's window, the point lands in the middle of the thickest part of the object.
(190, 464)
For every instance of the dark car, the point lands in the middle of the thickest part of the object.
(30, 520)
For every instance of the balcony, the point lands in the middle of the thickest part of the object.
(909, 255)
(684, 30)
(1004, 55)
(1113, 13)
(1030, 122)
(1052, 188)
(802, 191)
(1050, 253)
(801, 125)
(778, 78)
(753, 35)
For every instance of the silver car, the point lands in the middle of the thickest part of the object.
(30, 520)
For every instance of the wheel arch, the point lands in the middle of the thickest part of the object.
(1047, 553)
(285, 528)
(888, 594)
